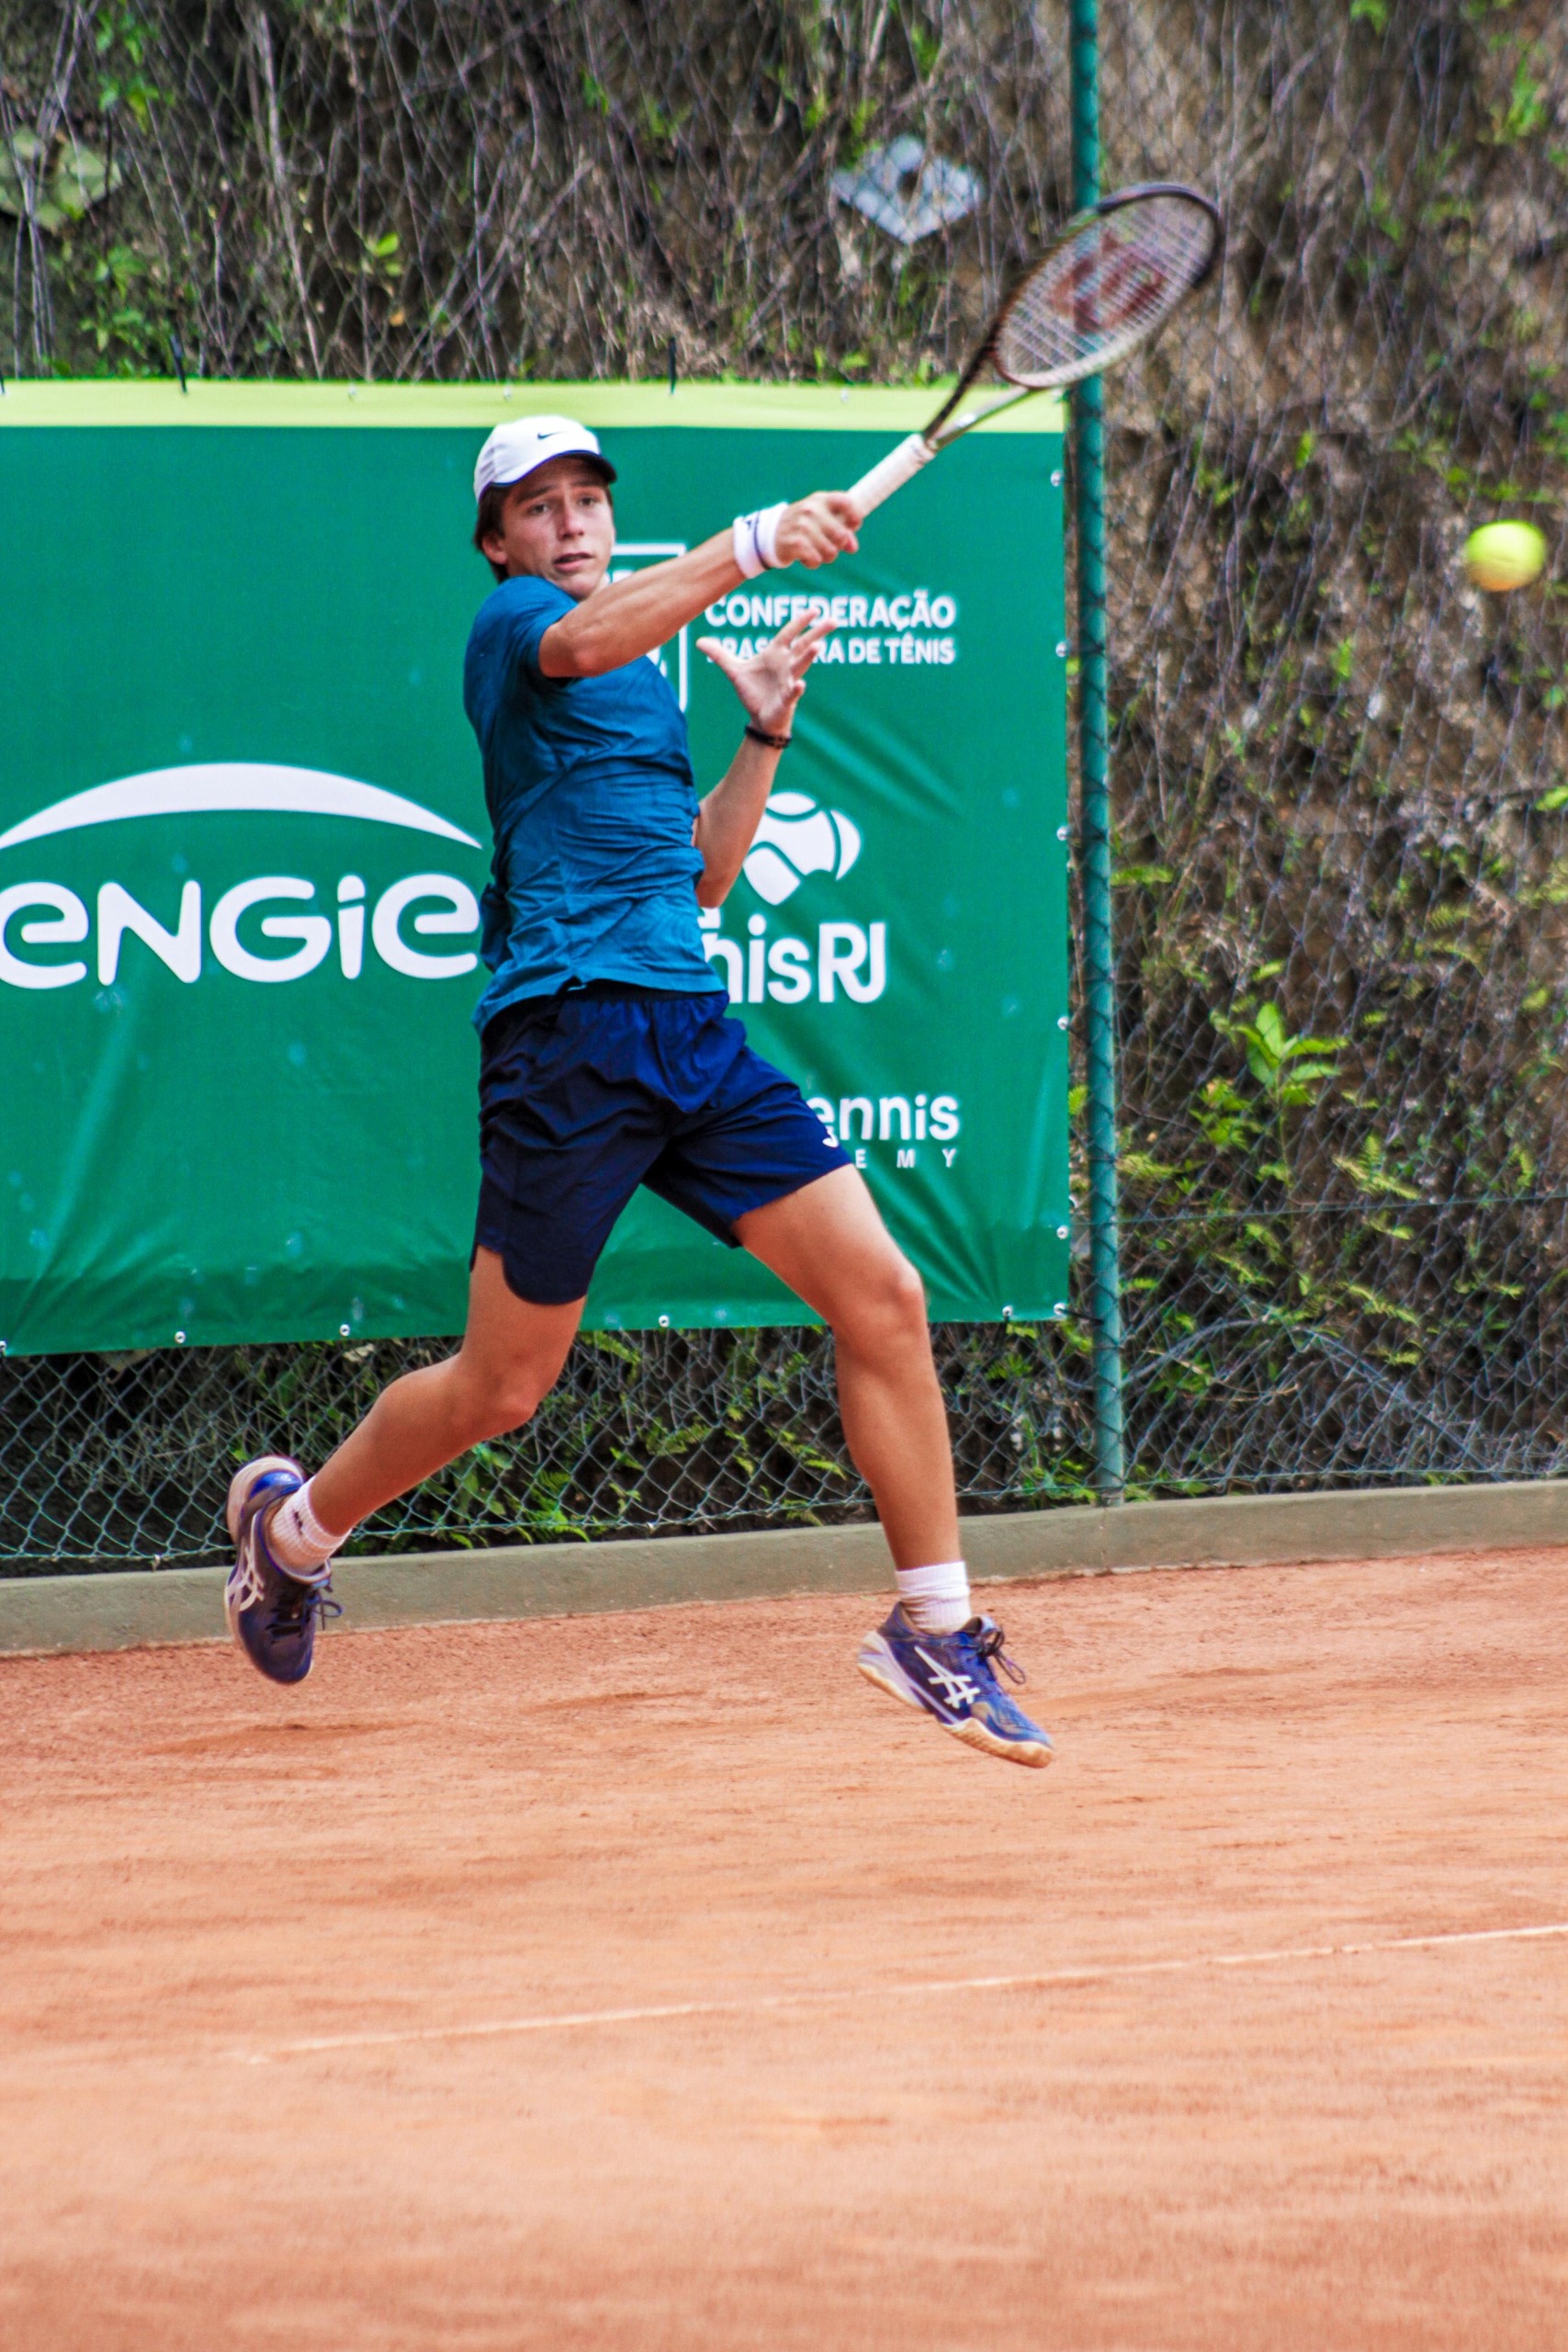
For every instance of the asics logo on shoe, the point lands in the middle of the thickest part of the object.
(958, 1688)
(970, 1706)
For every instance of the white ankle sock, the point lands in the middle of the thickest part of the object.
(936, 1601)
(296, 1537)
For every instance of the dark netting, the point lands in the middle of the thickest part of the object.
(1340, 772)
(1339, 769)
(110, 1459)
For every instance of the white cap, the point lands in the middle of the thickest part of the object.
(515, 448)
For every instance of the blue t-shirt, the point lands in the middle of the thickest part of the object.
(589, 786)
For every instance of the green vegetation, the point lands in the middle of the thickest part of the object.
(1341, 776)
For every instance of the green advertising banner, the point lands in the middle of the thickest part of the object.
(242, 839)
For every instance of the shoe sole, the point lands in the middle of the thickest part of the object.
(882, 1670)
(1012, 1751)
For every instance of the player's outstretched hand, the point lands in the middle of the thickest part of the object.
(771, 681)
(816, 529)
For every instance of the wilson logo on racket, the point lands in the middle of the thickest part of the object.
(1098, 297)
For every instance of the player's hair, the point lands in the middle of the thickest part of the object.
(487, 522)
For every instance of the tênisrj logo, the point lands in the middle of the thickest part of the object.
(796, 838)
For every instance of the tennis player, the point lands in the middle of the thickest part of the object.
(609, 1058)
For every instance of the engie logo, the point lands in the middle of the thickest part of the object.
(46, 915)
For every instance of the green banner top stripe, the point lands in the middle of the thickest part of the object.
(800, 408)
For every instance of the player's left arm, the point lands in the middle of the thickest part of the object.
(770, 684)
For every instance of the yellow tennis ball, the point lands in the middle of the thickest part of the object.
(1505, 555)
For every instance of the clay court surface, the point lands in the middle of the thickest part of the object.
(473, 1866)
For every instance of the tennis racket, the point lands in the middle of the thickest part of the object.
(1107, 282)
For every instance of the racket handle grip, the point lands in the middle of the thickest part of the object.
(890, 473)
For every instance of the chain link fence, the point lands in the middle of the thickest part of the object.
(1340, 771)
(1341, 775)
(128, 1458)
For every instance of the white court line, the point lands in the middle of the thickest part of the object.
(761, 2004)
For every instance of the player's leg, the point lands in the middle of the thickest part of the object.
(510, 1360)
(754, 1165)
(563, 1147)
(286, 1528)
(827, 1242)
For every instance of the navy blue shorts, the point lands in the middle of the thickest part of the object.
(586, 1095)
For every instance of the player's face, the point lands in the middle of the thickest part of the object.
(559, 524)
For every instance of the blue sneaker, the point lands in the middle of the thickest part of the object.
(952, 1677)
(272, 1613)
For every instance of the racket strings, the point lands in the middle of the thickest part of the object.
(1104, 291)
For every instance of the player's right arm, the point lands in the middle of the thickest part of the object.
(626, 618)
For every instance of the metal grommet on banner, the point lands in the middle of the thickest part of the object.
(664, 1322)
(1061, 1019)
(1060, 1310)
(179, 1339)
(342, 1331)
(1062, 1232)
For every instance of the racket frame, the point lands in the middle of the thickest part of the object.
(984, 354)
(903, 462)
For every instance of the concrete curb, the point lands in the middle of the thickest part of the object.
(126, 1611)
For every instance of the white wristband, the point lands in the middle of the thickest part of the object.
(768, 523)
(755, 541)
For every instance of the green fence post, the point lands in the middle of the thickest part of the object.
(1094, 849)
